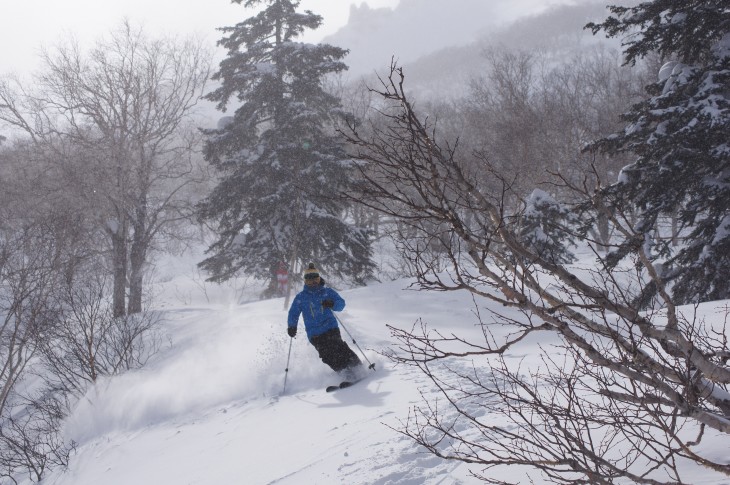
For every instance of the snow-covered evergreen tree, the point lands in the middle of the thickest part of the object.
(281, 166)
(681, 137)
(544, 227)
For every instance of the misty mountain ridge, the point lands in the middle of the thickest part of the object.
(412, 29)
(442, 49)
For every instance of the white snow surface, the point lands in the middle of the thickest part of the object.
(209, 408)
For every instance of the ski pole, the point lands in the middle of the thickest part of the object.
(371, 365)
(286, 371)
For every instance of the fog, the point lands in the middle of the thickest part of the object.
(418, 27)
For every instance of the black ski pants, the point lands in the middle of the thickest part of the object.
(334, 351)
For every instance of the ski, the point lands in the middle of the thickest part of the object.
(342, 385)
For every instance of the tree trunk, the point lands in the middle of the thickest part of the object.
(136, 273)
(119, 261)
(675, 227)
(604, 232)
(137, 258)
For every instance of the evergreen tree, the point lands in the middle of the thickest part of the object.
(680, 136)
(280, 166)
(544, 227)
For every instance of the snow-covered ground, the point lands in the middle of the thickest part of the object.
(209, 408)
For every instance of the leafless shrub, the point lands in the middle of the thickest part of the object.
(89, 341)
(30, 439)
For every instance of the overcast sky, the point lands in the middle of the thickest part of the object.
(26, 25)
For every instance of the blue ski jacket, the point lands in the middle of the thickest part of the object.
(308, 303)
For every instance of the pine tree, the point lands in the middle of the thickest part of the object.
(680, 136)
(544, 227)
(280, 166)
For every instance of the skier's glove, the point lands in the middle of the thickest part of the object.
(292, 331)
(328, 303)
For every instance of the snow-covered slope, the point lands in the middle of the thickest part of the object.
(209, 409)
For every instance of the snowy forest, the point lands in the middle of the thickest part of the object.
(496, 187)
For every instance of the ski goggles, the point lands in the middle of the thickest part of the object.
(311, 276)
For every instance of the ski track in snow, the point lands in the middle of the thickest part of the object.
(364, 456)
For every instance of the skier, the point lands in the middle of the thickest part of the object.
(316, 304)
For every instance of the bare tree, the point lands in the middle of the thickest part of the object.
(30, 270)
(125, 108)
(622, 394)
(532, 116)
(43, 242)
(27, 277)
(49, 260)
